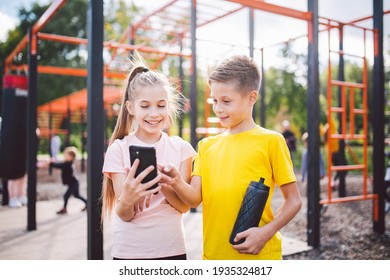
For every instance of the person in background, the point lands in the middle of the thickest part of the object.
(17, 192)
(55, 145)
(69, 177)
(304, 138)
(290, 138)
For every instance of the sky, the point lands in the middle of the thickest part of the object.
(269, 28)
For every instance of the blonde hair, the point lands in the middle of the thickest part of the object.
(138, 78)
(241, 71)
(71, 150)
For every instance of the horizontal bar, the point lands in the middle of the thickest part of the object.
(62, 38)
(347, 167)
(42, 21)
(347, 54)
(337, 109)
(348, 136)
(275, 9)
(359, 111)
(77, 72)
(349, 199)
(347, 84)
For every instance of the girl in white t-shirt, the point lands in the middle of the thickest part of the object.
(148, 223)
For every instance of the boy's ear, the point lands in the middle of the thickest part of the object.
(130, 107)
(253, 96)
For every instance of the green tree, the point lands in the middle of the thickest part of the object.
(286, 90)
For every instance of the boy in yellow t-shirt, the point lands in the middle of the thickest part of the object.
(226, 164)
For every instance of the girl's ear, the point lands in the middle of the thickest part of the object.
(130, 107)
(253, 97)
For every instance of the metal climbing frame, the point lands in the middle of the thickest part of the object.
(349, 110)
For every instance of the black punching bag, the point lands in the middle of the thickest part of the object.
(13, 127)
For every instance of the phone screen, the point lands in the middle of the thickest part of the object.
(147, 157)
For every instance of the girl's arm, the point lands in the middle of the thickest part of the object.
(257, 237)
(190, 194)
(169, 192)
(129, 190)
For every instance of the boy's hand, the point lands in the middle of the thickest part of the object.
(134, 192)
(255, 240)
(169, 175)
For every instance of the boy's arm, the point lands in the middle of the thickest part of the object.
(190, 194)
(169, 192)
(57, 164)
(256, 238)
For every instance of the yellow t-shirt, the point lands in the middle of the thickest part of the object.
(226, 164)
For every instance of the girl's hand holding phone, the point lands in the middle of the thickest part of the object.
(134, 192)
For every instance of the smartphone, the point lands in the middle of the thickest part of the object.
(147, 157)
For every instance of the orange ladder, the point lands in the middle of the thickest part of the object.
(349, 110)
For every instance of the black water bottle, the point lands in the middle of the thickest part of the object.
(252, 208)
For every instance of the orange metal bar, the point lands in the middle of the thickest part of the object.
(344, 113)
(62, 39)
(347, 84)
(337, 109)
(22, 44)
(348, 136)
(330, 122)
(219, 17)
(365, 130)
(346, 23)
(73, 40)
(351, 113)
(275, 9)
(43, 20)
(348, 167)
(78, 72)
(145, 18)
(349, 199)
(48, 14)
(367, 17)
(43, 69)
(348, 54)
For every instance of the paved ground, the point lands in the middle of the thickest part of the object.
(65, 237)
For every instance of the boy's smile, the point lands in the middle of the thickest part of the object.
(232, 108)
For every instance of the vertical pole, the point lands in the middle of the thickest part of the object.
(5, 199)
(83, 140)
(193, 88)
(378, 118)
(95, 141)
(32, 137)
(68, 113)
(341, 152)
(313, 109)
(50, 137)
(181, 78)
(251, 45)
(262, 90)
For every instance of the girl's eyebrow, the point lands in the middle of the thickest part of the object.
(147, 101)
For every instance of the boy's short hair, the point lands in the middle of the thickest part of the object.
(240, 70)
(72, 151)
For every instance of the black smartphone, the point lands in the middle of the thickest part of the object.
(147, 157)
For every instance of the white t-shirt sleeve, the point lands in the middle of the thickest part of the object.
(186, 150)
(113, 160)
